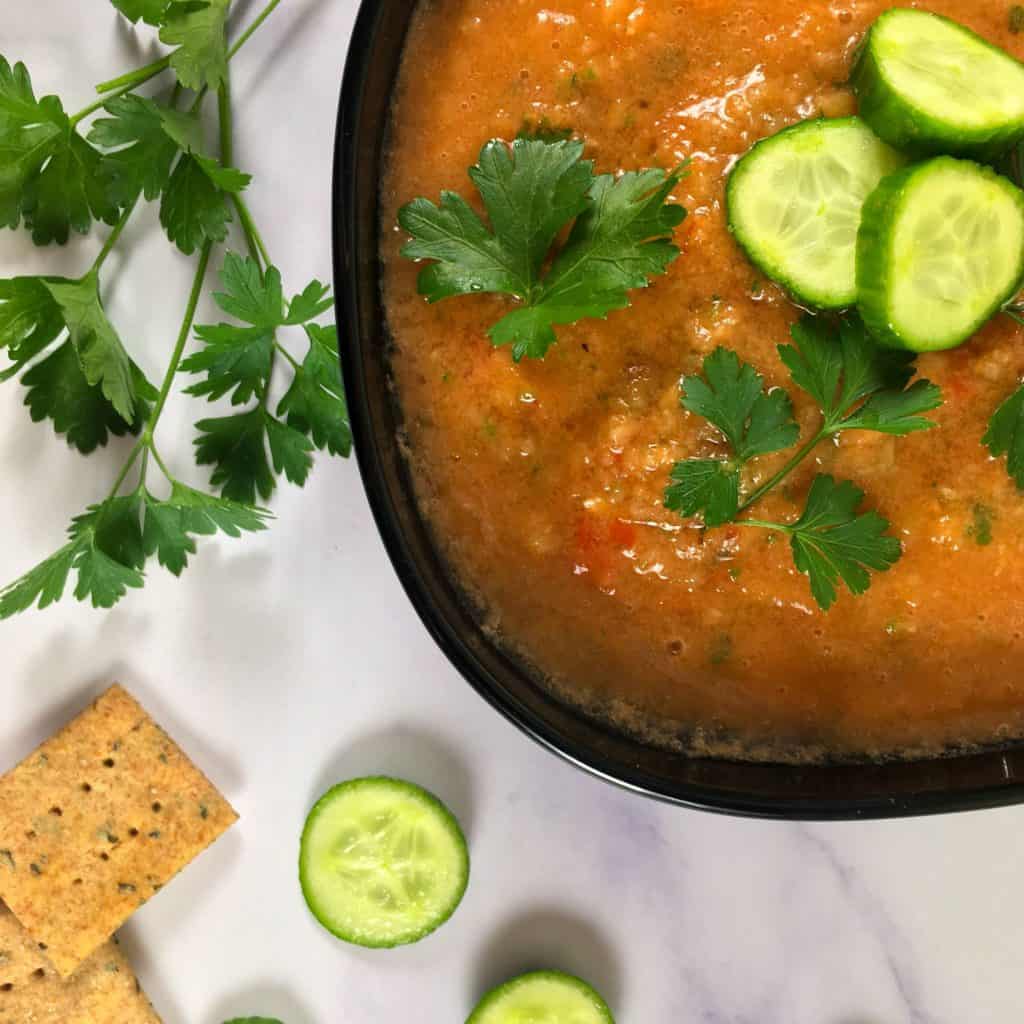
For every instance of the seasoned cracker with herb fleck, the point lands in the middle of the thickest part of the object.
(104, 988)
(95, 822)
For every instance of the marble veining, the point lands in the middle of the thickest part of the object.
(292, 659)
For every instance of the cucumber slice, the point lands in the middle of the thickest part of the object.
(927, 85)
(794, 204)
(940, 251)
(382, 862)
(542, 997)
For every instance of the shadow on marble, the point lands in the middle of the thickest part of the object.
(406, 752)
(158, 988)
(139, 43)
(27, 447)
(285, 42)
(242, 12)
(547, 938)
(179, 908)
(46, 672)
(206, 873)
(62, 659)
(227, 574)
(144, 224)
(274, 1001)
(209, 754)
(21, 255)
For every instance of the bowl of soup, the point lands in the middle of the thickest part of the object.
(522, 503)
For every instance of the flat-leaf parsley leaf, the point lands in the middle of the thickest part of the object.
(150, 11)
(831, 542)
(144, 139)
(195, 206)
(102, 356)
(1005, 435)
(35, 312)
(706, 487)
(236, 360)
(196, 28)
(171, 526)
(315, 402)
(620, 238)
(30, 320)
(731, 395)
(840, 367)
(59, 392)
(50, 177)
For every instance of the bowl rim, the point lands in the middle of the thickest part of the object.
(1007, 790)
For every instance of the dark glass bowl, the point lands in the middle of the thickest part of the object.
(988, 779)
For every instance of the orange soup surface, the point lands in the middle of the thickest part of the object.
(544, 481)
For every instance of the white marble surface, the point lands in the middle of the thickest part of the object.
(289, 661)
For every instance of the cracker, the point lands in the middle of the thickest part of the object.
(95, 822)
(102, 991)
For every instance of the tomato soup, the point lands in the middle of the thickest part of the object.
(544, 481)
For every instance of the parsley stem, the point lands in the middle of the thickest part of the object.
(198, 101)
(253, 238)
(133, 79)
(114, 235)
(227, 158)
(1014, 314)
(125, 469)
(126, 83)
(762, 524)
(144, 466)
(291, 359)
(101, 102)
(179, 346)
(163, 465)
(788, 468)
(225, 123)
(260, 18)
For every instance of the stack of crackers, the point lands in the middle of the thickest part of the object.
(92, 824)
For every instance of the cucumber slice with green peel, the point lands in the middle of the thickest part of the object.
(940, 251)
(382, 862)
(542, 997)
(794, 205)
(928, 85)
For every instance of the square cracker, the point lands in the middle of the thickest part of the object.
(97, 820)
(102, 991)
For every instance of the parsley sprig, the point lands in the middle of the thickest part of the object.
(76, 368)
(857, 386)
(620, 237)
(237, 360)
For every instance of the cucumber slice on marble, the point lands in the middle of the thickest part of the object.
(928, 85)
(940, 251)
(382, 862)
(794, 205)
(542, 997)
